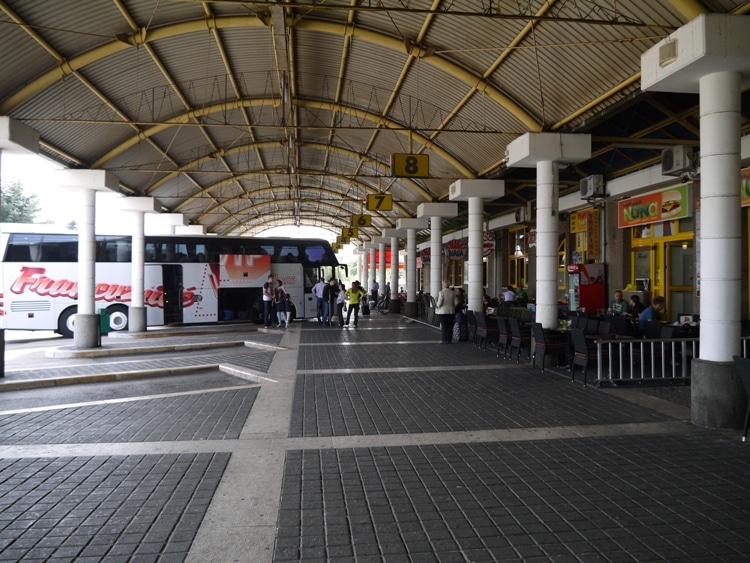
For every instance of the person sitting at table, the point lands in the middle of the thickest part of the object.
(651, 313)
(618, 305)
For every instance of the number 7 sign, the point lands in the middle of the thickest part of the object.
(379, 202)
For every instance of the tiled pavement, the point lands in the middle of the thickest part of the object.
(368, 444)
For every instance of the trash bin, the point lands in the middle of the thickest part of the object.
(104, 327)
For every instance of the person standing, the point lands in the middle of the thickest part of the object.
(509, 295)
(280, 304)
(340, 304)
(446, 312)
(354, 294)
(330, 292)
(268, 296)
(288, 308)
(374, 287)
(317, 291)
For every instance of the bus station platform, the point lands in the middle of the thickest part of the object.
(378, 443)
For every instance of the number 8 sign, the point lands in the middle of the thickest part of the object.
(410, 165)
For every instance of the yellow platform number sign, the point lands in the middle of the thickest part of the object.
(350, 232)
(404, 165)
(379, 202)
(361, 221)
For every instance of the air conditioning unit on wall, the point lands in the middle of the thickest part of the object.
(677, 160)
(593, 186)
(521, 215)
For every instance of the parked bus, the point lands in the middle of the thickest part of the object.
(187, 279)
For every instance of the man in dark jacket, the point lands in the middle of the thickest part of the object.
(330, 292)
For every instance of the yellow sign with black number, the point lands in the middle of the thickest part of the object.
(410, 165)
(361, 221)
(379, 202)
(342, 240)
(350, 232)
(336, 247)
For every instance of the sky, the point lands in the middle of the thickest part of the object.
(36, 174)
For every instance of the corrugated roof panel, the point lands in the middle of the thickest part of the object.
(251, 57)
(150, 13)
(317, 63)
(402, 24)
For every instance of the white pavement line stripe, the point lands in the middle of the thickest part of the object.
(263, 346)
(405, 370)
(244, 373)
(246, 503)
(253, 445)
(124, 400)
(375, 343)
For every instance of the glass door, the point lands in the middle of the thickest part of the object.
(680, 258)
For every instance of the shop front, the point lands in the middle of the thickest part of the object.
(664, 259)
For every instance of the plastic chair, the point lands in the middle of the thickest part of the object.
(503, 336)
(547, 342)
(743, 370)
(520, 338)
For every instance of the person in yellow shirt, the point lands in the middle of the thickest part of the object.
(353, 295)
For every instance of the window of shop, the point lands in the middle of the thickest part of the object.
(664, 263)
(455, 274)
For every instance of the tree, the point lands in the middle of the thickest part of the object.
(16, 206)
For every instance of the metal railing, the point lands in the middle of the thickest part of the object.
(649, 360)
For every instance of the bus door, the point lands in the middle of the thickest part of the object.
(172, 287)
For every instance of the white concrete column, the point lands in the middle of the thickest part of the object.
(721, 233)
(475, 192)
(547, 233)
(86, 183)
(373, 267)
(436, 255)
(475, 277)
(711, 55)
(411, 265)
(544, 151)
(138, 207)
(381, 268)
(394, 266)
(86, 251)
(365, 274)
(15, 137)
(409, 228)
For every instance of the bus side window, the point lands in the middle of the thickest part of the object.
(18, 253)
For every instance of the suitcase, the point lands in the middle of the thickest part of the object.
(365, 310)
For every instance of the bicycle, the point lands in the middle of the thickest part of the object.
(384, 305)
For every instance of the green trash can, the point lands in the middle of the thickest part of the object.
(104, 327)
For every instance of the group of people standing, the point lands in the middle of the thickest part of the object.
(276, 298)
(332, 299)
(450, 307)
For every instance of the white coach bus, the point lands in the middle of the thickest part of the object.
(188, 279)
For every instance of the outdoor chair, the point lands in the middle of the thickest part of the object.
(520, 338)
(743, 370)
(503, 336)
(584, 352)
(619, 325)
(485, 332)
(547, 342)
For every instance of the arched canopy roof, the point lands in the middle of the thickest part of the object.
(244, 115)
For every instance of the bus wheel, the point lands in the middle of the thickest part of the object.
(118, 317)
(65, 322)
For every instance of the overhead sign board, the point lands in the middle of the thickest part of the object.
(405, 165)
(361, 221)
(379, 202)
